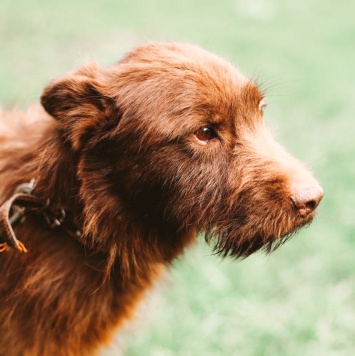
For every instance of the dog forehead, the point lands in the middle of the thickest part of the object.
(168, 58)
(180, 84)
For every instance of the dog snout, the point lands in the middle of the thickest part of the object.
(306, 198)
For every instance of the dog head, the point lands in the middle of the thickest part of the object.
(173, 137)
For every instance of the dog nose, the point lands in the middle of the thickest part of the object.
(307, 201)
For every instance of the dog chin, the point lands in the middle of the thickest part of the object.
(234, 246)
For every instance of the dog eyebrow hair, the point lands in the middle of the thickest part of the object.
(252, 93)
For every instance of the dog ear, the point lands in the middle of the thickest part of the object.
(79, 102)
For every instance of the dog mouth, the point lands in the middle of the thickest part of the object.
(302, 221)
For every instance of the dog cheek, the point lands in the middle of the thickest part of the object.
(201, 204)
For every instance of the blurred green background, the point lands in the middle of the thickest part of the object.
(301, 299)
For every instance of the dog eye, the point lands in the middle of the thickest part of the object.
(205, 134)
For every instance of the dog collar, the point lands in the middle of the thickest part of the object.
(14, 210)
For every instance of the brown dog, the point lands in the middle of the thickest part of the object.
(130, 163)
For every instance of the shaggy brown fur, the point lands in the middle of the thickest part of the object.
(144, 155)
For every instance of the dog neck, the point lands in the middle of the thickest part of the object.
(106, 227)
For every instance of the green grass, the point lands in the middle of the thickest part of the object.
(301, 299)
